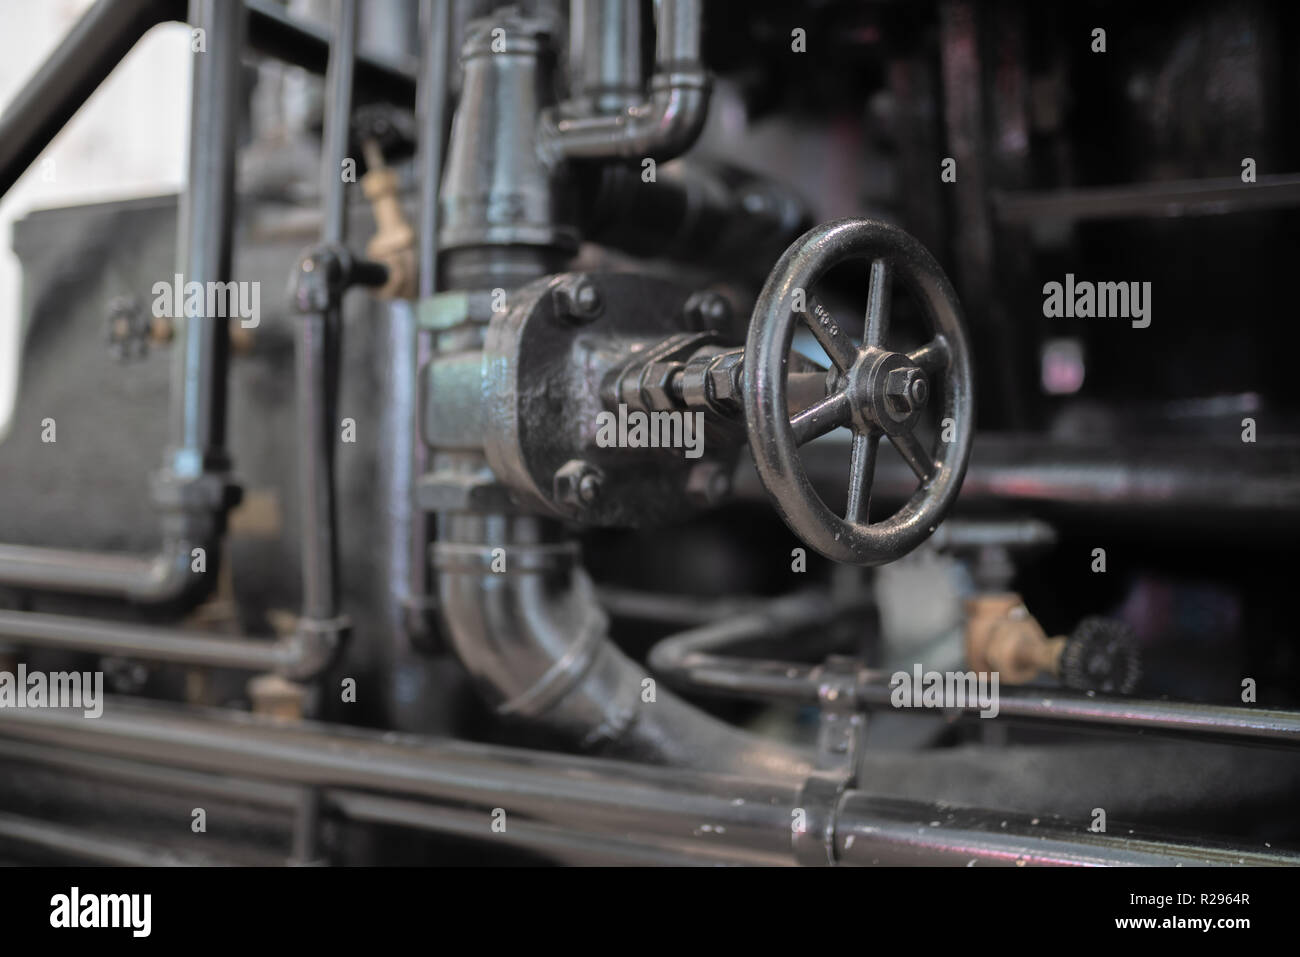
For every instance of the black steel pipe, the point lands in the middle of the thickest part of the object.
(558, 843)
(432, 112)
(319, 337)
(205, 231)
(695, 659)
(339, 77)
(316, 376)
(193, 490)
(663, 126)
(720, 814)
(589, 795)
(872, 831)
(274, 33)
(1211, 722)
(680, 610)
(288, 655)
(79, 844)
(1211, 197)
(536, 641)
(105, 35)
(435, 24)
(1155, 482)
(139, 578)
(69, 75)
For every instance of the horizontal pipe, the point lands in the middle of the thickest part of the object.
(593, 796)
(878, 831)
(274, 33)
(670, 609)
(138, 578)
(1154, 482)
(561, 844)
(154, 777)
(695, 659)
(1226, 194)
(564, 844)
(292, 655)
(80, 844)
(718, 813)
(872, 831)
(1207, 721)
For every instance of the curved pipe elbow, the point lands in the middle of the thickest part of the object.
(177, 575)
(664, 127)
(678, 109)
(311, 648)
(536, 642)
(182, 573)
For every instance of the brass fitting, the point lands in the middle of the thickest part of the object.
(393, 243)
(1002, 636)
(277, 696)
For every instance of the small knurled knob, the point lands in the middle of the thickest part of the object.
(1101, 655)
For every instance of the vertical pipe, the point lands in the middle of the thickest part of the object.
(316, 469)
(206, 234)
(306, 845)
(319, 336)
(435, 27)
(318, 357)
(338, 112)
(605, 54)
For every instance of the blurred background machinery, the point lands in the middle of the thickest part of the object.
(439, 596)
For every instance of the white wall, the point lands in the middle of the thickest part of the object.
(128, 140)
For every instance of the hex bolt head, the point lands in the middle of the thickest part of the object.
(706, 310)
(724, 378)
(906, 392)
(577, 299)
(577, 484)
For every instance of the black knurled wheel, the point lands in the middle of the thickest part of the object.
(876, 392)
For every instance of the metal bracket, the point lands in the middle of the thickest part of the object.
(839, 743)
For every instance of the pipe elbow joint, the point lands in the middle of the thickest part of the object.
(177, 575)
(662, 128)
(312, 647)
(678, 108)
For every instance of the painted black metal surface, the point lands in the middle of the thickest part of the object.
(875, 392)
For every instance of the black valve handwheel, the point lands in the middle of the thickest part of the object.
(875, 392)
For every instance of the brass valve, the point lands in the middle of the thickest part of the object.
(393, 243)
(1002, 636)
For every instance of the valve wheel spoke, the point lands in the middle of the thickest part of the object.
(820, 417)
(833, 339)
(934, 357)
(879, 299)
(914, 453)
(862, 471)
